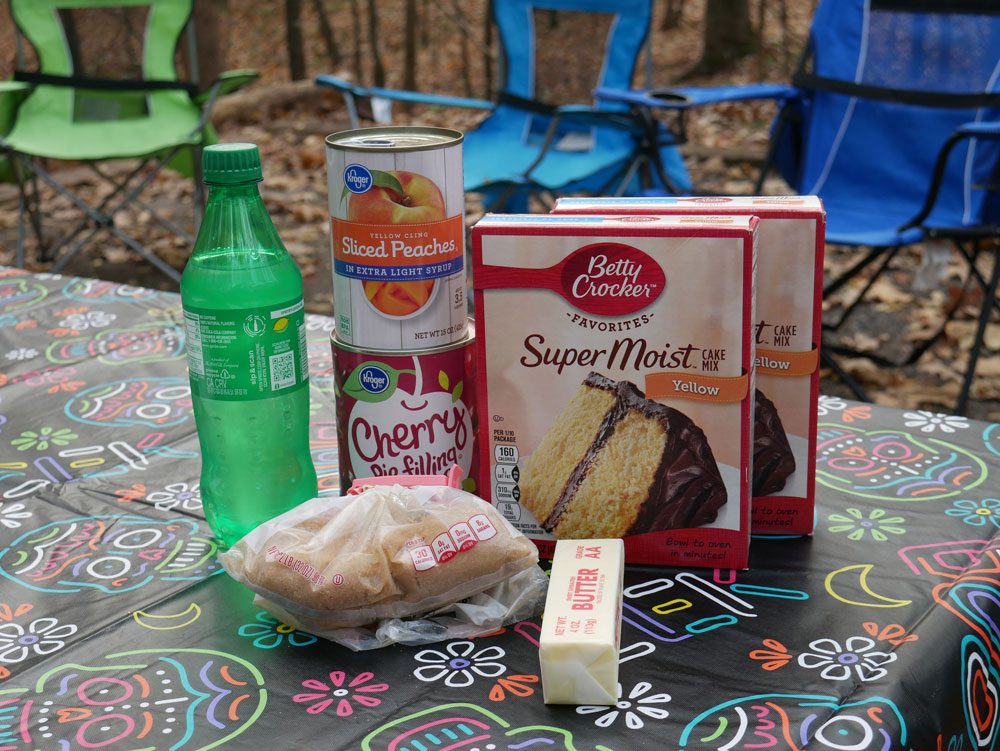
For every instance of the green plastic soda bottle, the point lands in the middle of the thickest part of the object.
(244, 324)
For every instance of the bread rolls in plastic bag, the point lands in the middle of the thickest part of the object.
(391, 564)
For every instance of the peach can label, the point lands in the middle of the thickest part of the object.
(397, 214)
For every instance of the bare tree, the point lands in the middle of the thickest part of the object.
(378, 70)
(293, 37)
(410, 52)
(672, 12)
(356, 28)
(728, 35)
(326, 31)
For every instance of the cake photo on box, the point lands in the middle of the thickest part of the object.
(773, 460)
(614, 463)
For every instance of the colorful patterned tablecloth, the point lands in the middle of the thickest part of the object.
(119, 630)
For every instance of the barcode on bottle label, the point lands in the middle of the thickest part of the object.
(282, 370)
(192, 329)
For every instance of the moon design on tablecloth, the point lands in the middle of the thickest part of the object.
(783, 721)
(467, 726)
(991, 438)
(109, 554)
(167, 622)
(850, 585)
(153, 402)
(17, 294)
(154, 699)
(893, 465)
(139, 344)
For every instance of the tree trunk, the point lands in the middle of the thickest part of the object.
(672, 13)
(210, 46)
(293, 39)
(378, 70)
(728, 35)
(326, 31)
(356, 27)
(410, 52)
(488, 53)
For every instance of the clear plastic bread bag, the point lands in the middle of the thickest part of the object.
(391, 564)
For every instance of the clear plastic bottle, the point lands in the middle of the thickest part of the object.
(244, 325)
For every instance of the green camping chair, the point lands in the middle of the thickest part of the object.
(60, 112)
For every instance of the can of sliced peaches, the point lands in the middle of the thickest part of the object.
(406, 413)
(397, 213)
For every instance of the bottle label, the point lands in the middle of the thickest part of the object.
(252, 353)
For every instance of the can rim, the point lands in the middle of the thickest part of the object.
(444, 137)
(468, 338)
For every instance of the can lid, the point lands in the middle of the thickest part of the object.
(394, 138)
(230, 163)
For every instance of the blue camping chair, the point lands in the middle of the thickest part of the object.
(524, 146)
(893, 119)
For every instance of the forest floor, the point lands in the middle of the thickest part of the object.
(289, 121)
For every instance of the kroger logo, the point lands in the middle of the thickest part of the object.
(373, 380)
(357, 178)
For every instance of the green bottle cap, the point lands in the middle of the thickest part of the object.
(230, 163)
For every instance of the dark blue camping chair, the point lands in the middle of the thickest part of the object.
(893, 119)
(524, 146)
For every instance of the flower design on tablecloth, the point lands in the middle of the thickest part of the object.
(270, 633)
(325, 693)
(90, 319)
(977, 513)
(637, 705)
(928, 421)
(41, 439)
(775, 656)
(178, 495)
(12, 513)
(459, 664)
(42, 636)
(22, 353)
(875, 525)
(836, 662)
(827, 404)
(517, 685)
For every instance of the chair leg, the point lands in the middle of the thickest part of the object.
(989, 296)
(844, 376)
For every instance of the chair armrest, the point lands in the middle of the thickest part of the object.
(987, 129)
(14, 86)
(685, 97)
(227, 83)
(346, 87)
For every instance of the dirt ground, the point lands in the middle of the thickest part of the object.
(289, 120)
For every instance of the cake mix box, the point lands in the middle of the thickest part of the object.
(615, 382)
(787, 335)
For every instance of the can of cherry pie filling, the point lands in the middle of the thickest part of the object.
(397, 213)
(406, 413)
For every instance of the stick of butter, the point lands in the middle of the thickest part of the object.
(581, 627)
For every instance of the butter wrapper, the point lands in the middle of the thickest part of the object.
(581, 628)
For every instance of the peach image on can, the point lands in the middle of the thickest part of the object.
(406, 413)
(397, 212)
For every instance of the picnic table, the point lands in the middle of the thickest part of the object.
(119, 629)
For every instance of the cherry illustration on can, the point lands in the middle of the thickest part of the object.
(406, 413)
